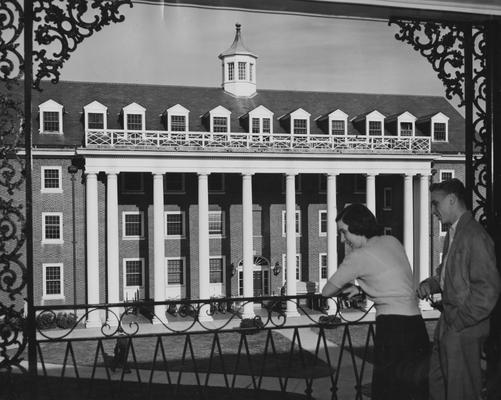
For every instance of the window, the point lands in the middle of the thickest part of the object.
(52, 227)
(174, 182)
(375, 128)
(133, 226)
(322, 223)
(133, 272)
(174, 224)
(216, 223)
(445, 175)
(53, 281)
(387, 230)
(132, 182)
(387, 198)
(51, 180)
(95, 121)
(231, 71)
(439, 131)
(256, 125)
(175, 271)
(338, 127)
(298, 224)
(298, 265)
(241, 71)
(178, 123)
(215, 183)
(323, 266)
(266, 125)
(405, 128)
(251, 72)
(50, 121)
(220, 124)
(134, 122)
(216, 269)
(300, 127)
(51, 117)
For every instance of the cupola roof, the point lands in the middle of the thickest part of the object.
(237, 47)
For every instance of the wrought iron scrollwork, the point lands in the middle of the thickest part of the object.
(11, 28)
(61, 27)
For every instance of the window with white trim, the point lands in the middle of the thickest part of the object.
(231, 71)
(51, 180)
(215, 183)
(260, 120)
(53, 281)
(406, 129)
(52, 227)
(134, 272)
(251, 72)
(242, 71)
(216, 223)
(132, 182)
(178, 123)
(338, 127)
(95, 121)
(298, 222)
(324, 274)
(322, 223)
(446, 175)
(175, 271)
(174, 224)
(439, 132)
(375, 128)
(216, 269)
(219, 124)
(95, 115)
(298, 266)
(51, 117)
(387, 198)
(134, 122)
(174, 182)
(300, 126)
(266, 125)
(132, 225)
(256, 126)
(134, 117)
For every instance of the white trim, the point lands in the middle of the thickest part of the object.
(95, 107)
(51, 106)
(260, 112)
(222, 234)
(43, 189)
(439, 118)
(406, 117)
(183, 225)
(217, 289)
(338, 115)
(132, 237)
(46, 296)
(53, 241)
(220, 112)
(443, 171)
(374, 116)
(320, 233)
(134, 288)
(298, 266)
(322, 281)
(298, 223)
(134, 108)
(175, 285)
(300, 114)
(177, 110)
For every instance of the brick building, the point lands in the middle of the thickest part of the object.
(160, 192)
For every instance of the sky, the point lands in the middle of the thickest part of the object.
(179, 45)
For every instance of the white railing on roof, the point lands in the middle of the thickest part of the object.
(272, 142)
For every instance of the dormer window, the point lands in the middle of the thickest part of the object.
(338, 127)
(219, 119)
(134, 117)
(300, 126)
(297, 122)
(375, 128)
(440, 127)
(333, 123)
(51, 117)
(177, 118)
(260, 120)
(406, 129)
(95, 115)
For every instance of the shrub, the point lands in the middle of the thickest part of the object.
(46, 320)
(66, 321)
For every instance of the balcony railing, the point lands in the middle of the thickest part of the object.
(254, 142)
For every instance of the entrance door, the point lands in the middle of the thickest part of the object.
(261, 277)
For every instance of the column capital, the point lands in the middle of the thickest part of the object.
(247, 174)
(426, 175)
(201, 174)
(291, 173)
(371, 174)
(408, 174)
(332, 174)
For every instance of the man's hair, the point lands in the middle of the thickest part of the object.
(451, 186)
(360, 220)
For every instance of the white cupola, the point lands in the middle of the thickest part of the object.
(239, 68)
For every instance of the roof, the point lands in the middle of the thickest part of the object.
(237, 47)
(199, 100)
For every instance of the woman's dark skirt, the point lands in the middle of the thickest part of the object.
(401, 354)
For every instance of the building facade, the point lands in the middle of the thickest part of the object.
(170, 192)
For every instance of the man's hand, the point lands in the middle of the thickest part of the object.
(424, 290)
(350, 291)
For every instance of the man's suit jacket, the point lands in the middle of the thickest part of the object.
(472, 281)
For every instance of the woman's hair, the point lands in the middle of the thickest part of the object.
(360, 220)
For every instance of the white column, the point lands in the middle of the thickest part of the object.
(331, 233)
(112, 245)
(248, 256)
(92, 230)
(290, 229)
(371, 192)
(424, 232)
(203, 242)
(159, 268)
(408, 218)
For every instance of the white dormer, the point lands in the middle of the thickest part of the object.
(134, 117)
(406, 124)
(95, 115)
(239, 68)
(51, 117)
(338, 123)
(300, 122)
(219, 119)
(374, 124)
(439, 127)
(177, 118)
(260, 120)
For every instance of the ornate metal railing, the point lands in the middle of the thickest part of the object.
(203, 348)
(238, 142)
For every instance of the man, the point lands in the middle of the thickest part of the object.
(469, 284)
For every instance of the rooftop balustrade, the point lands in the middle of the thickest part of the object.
(254, 142)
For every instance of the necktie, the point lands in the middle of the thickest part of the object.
(447, 242)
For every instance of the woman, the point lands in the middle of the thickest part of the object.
(381, 267)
